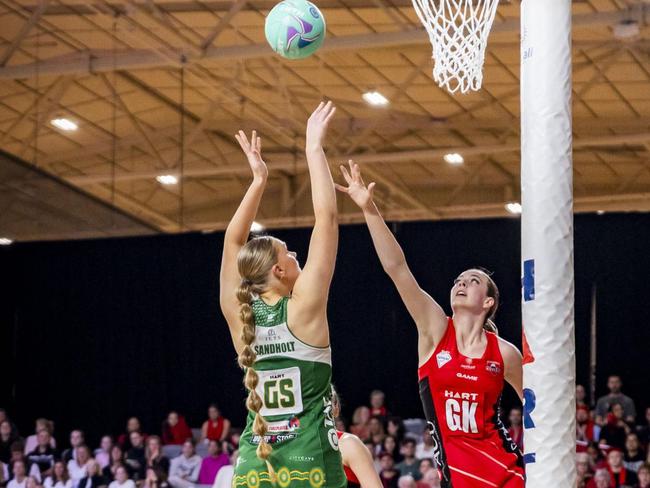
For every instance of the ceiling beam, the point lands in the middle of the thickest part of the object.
(24, 30)
(95, 61)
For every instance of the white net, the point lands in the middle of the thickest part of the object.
(458, 31)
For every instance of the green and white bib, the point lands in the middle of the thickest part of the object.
(295, 386)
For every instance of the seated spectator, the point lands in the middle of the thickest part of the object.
(19, 475)
(633, 456)
(600, 479)
(153, 480)
(619, 476)
(582, 469)
(584, 426)
(213, 462)
(8, 436)
(122, 479)
(175, 430)
(388, 474)
(406, 481)
(156, 461)
(360, 420)
(425, 448)
(409, 465)
(116, 460)
(426, 465)
(132, 425)
(94, 477)
(395, 427)
(377, 407)
(17, 449)
(643, 430)
(103, 453)
(604, 403)
(431, 479)
(135, 456)
(40, 461)
(184, 470)
(77, 439)
(581, 397)
(78, 468)
(390, 446)
(596, 459)
(60, 477)
(615, 430)
(516, 430)
(376, 432)
(643, 476)
(32, 441)
(30, 482)
(217, 427)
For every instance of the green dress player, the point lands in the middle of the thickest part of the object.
(277, 318)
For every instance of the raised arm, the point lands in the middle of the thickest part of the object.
(429, 317)
(237, 234)
(310, 292)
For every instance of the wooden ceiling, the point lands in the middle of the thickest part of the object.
(160, 87)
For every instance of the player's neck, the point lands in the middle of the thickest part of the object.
(469, 330)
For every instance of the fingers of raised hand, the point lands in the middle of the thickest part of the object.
(242, 140)
(341, 188)
(346, 175)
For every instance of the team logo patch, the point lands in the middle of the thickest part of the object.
(493, 367)
(442, 358)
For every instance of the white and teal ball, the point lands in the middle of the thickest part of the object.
(295, 29)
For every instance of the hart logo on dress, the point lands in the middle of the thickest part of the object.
(442, 358)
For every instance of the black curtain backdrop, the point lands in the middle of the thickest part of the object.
(95, 331)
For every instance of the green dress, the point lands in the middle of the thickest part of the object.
(295, 385)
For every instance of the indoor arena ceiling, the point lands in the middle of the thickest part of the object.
(160, 87)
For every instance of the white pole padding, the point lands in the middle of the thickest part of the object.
(547, 244)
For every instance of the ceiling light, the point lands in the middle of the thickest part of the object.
(167, 179)
(5, 241)
(257, 227)
(375, 98)
(626, 30)
(513, 207)
(600, 212)
(454, 158)
(64, 124)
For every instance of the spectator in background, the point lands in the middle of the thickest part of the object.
(32, 441)
(135, 456)
(360, 421)
(377, 407)
(16, 455)
(619, 476)
(431, 479)
(391, 447)
(4, 474)
(132, 425)
(425, 448)
(19, 475)
(615, 430)
(582, 469)
(31, 482)
(585, 427)
(601, 479)
(644, 430)
(581, 396)
(516, 430)
(103, 453)
(388, 474)
(409, 465)
(175, 430)
(212, 463)
(217, 427)
(116, 460)
(78, 468)
(77, 439)
(93, 478)
(643, 476)
(596, 459)
(376, 432)
(156, 462)
(395, 427)
(184, 470)
(633, 457)
(40, 461)
(60, 477)
(7, 437)
(406, 481)
(426, 465)
(604, 403)
(122, 479)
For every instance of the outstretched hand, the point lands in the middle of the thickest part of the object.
(253, 151)
(356, 189)
(318, 123)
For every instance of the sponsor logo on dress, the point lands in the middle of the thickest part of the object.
(493, 367)
(274, 438)
(467, 376)
(302, 459)
(442, 358)
(468, 364)
(284, 425)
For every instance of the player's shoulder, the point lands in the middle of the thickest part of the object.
(509, 351)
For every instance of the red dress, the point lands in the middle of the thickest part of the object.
(461, 398)
(215, 431)
(352, 478)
